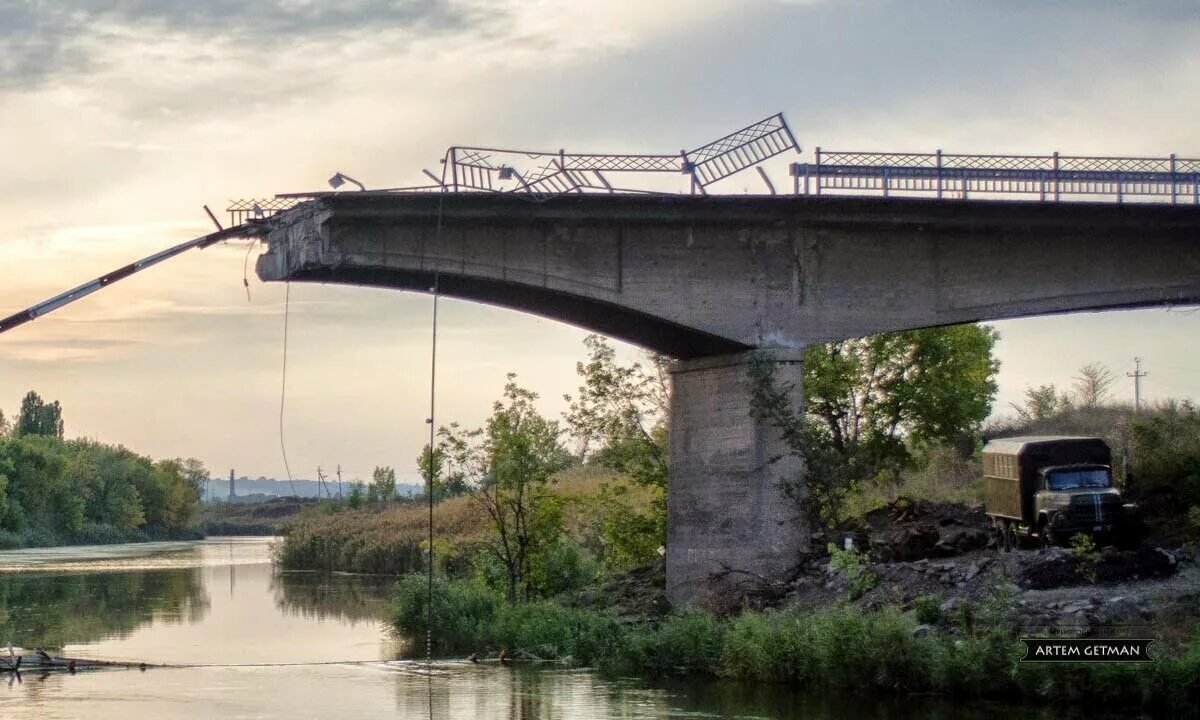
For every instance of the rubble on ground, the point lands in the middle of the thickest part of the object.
(907, 530)
(942, 552)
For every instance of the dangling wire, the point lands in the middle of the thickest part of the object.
(287, 305)
(432, 454)
(433, 428)
(246, 268)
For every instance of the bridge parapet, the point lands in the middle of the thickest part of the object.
(1048, 177)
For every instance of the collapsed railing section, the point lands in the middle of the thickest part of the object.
(1048, 177)
(543, 173)
(540, 173)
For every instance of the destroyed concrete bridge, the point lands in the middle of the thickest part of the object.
(711, 279)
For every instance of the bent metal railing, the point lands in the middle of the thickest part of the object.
(1051, 178)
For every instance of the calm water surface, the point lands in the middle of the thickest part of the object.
(219, 602)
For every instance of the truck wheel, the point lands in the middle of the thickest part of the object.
(998, 535)
(1013, 541)
(1046, 534)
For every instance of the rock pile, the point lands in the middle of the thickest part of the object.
(908, 530)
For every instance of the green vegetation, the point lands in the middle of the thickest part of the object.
(1086, 555)
(522, 523)
(507, 466)
(619, 418)
(839, 648)
(1156, 451)
(853, 564)
(515, 508)
(928, 609)
(873, 405)
(55, 491)
(594, 506)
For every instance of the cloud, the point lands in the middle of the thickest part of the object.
(40, 40)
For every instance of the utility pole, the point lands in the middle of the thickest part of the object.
(339, 481)
(1137, 376)
(320, 483)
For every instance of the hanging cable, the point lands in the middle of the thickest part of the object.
(432, 440)
(246, 268)
(287, 304)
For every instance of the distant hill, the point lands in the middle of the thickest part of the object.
(253, 490)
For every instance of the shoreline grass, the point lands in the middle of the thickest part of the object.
(840, 649)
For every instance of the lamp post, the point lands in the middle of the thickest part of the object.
(340, 179)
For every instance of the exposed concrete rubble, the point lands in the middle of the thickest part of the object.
(914, 529)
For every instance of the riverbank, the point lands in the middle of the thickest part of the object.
(971, 651)
(243, 519)
(95, 534)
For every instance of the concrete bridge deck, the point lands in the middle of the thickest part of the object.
(708, 279)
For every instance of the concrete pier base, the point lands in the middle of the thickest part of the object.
(726, 508)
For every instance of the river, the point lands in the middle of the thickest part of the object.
(258, 643)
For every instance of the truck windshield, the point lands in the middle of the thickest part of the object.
(1072, 479)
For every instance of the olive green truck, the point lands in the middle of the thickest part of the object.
(1051, 488)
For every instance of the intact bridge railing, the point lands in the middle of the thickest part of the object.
(1044, 177)
(542, 174)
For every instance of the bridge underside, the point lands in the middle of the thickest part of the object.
(600, 316)
(706, 279)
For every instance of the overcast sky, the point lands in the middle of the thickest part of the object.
(118, 120)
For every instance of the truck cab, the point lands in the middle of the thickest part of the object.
(1077, 498)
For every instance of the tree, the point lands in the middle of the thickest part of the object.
(1042, 402)
(1092, 385)
(355, 497)
(869, 401)
(196, 475)
(5, 428)
(448, 482)
(619, 420)
(508, 464)
(930, 385)
(383, 484)
(622, 411)
(39, 418)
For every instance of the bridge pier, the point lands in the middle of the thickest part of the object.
(726, 508)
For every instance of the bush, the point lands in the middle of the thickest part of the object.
(105, 534)
(841, 648)
(562, 566)
(928, 609)
(39, 537)
(687, 641)
(463, 612)
(468, 618)
(1086, 554)
(853, 564)
(550, 631)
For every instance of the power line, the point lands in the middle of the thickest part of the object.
(1137, 376)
